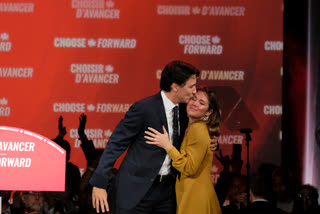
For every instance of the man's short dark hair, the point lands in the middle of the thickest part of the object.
(259, 187)
(176, 72)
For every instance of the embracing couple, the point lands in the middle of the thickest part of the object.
(168, 161)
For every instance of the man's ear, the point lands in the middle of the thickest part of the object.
(174, 87)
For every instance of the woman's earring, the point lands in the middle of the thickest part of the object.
(206, 118)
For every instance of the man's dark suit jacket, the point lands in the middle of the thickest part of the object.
(142, 161)
(263, 207)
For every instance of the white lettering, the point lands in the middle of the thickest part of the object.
(16, 72)
(70, 42)
(222, 75)
(273, 46)
(87, 4)
(223, 11)
(69, 107)
(17, 7)
(5, 111)
(5, 46)
(203, 49)
(272, 110)
(87, 68)
(195, 39)
(15, 162)
(16, 146)
(231, 139)
(109, 108)
(116, 43)
(173, 10)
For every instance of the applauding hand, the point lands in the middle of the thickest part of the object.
(82, 125)
(158, 139)
(62, 129)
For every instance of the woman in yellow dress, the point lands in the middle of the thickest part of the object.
(194, 189)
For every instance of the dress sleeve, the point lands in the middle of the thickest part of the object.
(189, 159)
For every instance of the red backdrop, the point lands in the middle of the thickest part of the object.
(67, 57)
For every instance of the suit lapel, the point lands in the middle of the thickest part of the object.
(160, 108)
(183, 118)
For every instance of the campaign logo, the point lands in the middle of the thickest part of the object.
(73, 42)
(5, 44)
(201, 44)
(187, 10)
(84, 107)
(273, 46)
(94, 74)
(95, 9)
(16, 72)
(99, 137)
(13, 7)
(225, 75)
(4, 108)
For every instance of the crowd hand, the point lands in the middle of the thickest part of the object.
(214, 145)
(99, 199)
(62, 129)
(158, 139)
(16, 200)
(224, 160)
(82, 124)
(236, 165)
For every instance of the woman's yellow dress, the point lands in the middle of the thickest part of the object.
(194, 190)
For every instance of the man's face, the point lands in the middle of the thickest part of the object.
(279, 188)
(187, 91)
(33, 201)
(307, 200)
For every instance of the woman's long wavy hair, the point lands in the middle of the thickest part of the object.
(213, 123)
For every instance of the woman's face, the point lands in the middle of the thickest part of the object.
(198, 106)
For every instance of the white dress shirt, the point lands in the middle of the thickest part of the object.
(168, 108)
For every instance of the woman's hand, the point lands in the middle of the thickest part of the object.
(214, 145)
(158, 139)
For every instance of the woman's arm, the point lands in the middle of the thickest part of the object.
(189, 159)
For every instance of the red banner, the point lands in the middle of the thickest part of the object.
(29, 161)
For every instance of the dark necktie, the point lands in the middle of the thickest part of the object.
(175, 137)
(175, 133)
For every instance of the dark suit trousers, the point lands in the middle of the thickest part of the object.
(160, 199)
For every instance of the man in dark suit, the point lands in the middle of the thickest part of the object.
(259, 195)
(145, 182)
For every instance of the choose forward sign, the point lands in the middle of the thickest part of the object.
(29, 161)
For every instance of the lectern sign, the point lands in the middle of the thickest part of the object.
(29, 161)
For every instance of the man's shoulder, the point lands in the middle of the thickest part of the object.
(150, 99)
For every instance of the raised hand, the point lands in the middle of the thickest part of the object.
(158, 139)
(236, 165)
(224, 160)
(62, 129)
(82, 124)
